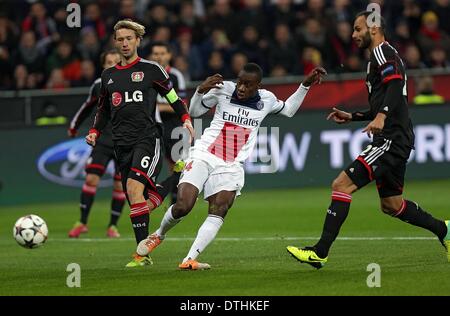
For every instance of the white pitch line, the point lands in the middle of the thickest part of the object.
(242, 239)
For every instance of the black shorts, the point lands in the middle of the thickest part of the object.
(141, 162)
(99, 159)
(380, 163)
(169, 124)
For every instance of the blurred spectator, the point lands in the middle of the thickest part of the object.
(342, 45)
(431, 36)
(159, 16)
(252, 46)
(438, 58)
(412, 57)
(315, 35)
(8, 34)
(311, 58)
(24, 80)
(222, 17)
(43, 26)
(182, 65)
(64, 59)
(185, 48)
(252, 14)
(340, 11)
(278, 71)
(402, 37)
(442, 10)
(50, 116)
(352, 63)
(88, 74)
(217, 41)
(89, 45)
(315, 9)
(425, 93)
(56, 80)
(215, 65)
(238, 61)
(283, 12)
(29, 55)
(188, 20)
(20, 77)
(93, 19)
(7, 43)
(283, 51)
(60, 18)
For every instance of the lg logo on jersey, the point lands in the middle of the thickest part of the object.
(116, 97)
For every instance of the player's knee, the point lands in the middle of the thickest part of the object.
(181, 208)
(338, 185)
(220, 209)
(92, 180)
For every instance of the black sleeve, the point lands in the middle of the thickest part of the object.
(392, 97)
(164, 87)
(388, 63)
(87, 107)
(362, 116)
(103, 110)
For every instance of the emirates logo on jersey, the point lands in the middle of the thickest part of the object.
(137, 76)
(116, 98)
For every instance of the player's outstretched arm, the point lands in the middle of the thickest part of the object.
(294, 102)
(339, 116)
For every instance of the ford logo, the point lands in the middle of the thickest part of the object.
(64, 164)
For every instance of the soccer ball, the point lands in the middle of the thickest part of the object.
(30, 231)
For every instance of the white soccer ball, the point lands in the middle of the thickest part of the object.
(30, 231)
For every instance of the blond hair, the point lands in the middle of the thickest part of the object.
(138, 29)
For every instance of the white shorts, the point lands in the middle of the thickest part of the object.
(210, 174)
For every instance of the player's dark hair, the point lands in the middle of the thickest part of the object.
(368, 14)
(254, 69)
(161, 44)
(106, 53)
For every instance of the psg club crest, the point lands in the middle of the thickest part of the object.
(116, 98)
(137, 76)
(260, 105)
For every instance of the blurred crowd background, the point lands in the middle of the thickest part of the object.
(286, 37)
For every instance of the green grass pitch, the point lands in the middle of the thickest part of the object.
(249, 256)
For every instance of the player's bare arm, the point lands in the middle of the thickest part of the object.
(210, 83)
(339, 116)
(293, 103)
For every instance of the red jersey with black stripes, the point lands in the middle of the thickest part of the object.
(387, 86)
(128, 98)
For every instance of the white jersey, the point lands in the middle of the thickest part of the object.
(234, 128)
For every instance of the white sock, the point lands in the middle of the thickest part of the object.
(205, 235)
(167, 223)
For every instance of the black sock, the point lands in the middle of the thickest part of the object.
(117, 202)
(413, 214)
(336, 215)
(140, 219)
(86, 200)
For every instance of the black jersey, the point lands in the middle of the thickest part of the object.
(86, 110)
(387, 87)
(128, 99)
